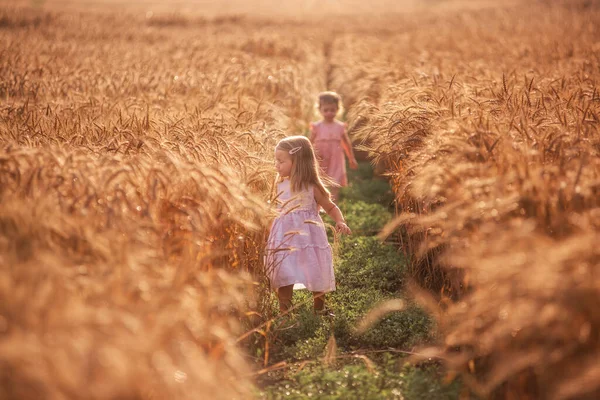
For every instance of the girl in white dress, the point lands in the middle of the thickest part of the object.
(298, 253)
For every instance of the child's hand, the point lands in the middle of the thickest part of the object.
(353, 163)
(341, 227)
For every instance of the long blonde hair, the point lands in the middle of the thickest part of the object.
(305, 169)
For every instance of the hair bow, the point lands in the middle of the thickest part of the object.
(295, 150)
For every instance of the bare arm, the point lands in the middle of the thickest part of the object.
(312, 135)
(347, 146)
(333, 211)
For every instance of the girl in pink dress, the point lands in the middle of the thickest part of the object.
(331, 141)
(298, 254)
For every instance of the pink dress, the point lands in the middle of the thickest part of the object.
(327, 141)
(298, 252)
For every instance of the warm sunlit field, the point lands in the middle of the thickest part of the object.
(136, 170)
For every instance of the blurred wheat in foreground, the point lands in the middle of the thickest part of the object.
(134, 173)
(488, 122)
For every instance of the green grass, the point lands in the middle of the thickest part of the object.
(365, 218)
(364, 186)
(368, 191)
(388, 379)
(308, 339)
(365, 262)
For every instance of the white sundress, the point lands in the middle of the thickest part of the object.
(298, 252)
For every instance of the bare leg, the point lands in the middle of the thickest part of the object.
(284, 294)
(319, 301)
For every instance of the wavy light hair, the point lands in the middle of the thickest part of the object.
(330, 97)
(305, 168)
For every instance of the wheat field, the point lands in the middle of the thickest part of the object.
(488, 126)
(136, 171)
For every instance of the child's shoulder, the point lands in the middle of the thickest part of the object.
(340, 123)
(339, 126)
